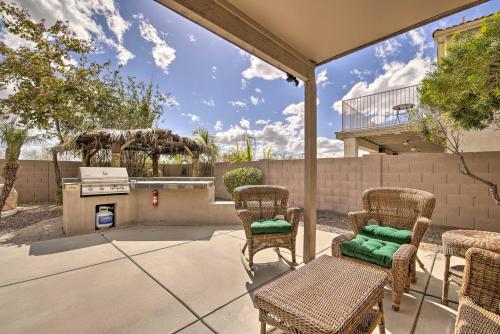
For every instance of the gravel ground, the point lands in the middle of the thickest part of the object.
(29, 214)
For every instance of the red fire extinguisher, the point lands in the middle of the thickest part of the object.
(155, 197)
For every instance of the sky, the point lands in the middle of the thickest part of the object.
(217, 86)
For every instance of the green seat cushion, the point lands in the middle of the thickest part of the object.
(371, 250)
(270, 226)
(387, 233)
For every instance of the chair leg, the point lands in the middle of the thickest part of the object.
(244, 247)
(250, 255)
(413, 272)
(381, 324)
(446, 280)
(262, 327)
(396, 300)
(293, 252)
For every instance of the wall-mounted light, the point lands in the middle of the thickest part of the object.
(292, 79)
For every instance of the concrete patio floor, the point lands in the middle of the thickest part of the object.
(170, 280)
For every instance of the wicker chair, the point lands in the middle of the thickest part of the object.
(254, 203)
(398, 275)
(399, 208)
(478, 308)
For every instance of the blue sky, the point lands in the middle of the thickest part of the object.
(225, 90)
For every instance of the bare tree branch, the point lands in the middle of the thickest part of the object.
(492, 186)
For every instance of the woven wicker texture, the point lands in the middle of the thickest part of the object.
(326, 296)
(457, 242)
(265, 202)
(398, 207)
(399, 275)
(480, 294)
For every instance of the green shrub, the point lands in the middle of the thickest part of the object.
(242, 177)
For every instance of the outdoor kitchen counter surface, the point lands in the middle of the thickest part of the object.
(172, 183)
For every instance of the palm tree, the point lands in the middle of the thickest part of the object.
(13, 137)
(203, 136)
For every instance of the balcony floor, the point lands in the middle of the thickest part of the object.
(170, 280)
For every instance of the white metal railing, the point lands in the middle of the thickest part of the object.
(380, 109)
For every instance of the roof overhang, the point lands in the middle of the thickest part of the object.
(295, 35)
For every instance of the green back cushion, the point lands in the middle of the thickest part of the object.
(371, 250)
(270, 226)
(387, 233)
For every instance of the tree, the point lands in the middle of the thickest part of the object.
(13, 137)
(51, 90)
(245, 152)
(462, 92)
(204, 137)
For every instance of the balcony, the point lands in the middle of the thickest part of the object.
(378, 123)
(383, 109)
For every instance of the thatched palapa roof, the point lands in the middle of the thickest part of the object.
(153, 141)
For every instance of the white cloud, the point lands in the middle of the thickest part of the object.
(210, 102)
(322, 79)
(218, 125)
(387, 48)
(243, 83)
(214, 69)
(418, 38)
(261, 69)
(396, 75)
(258, 90)
(285, 137)
(361, 73)
(243, 53)
(191, 38)
(238, 104)
(194, 118)
(82, 16)
(245, 123)
(163, 54)
(256, 100)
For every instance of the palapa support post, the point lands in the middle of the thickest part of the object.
(196, 164)
(155, 157)
(85, 161)
(116, 153)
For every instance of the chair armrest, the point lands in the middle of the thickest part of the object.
(293, 217)
(419, 230)
(401, 263)
(338, 241)
(246, 218)
(358, 219)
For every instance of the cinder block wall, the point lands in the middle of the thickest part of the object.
(36, 181)
(461, 201)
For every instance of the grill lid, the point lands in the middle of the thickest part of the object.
(103, 175)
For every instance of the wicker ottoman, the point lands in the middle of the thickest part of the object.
(456, 243)
(327, 295)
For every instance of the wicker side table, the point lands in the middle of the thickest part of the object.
(456, 243)
(328, 295)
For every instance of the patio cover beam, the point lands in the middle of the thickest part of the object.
(226, 21)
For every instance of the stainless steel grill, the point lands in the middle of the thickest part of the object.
(104, 181)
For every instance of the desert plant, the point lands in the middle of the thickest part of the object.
(13, 137)
(242, 177)
(204, 137)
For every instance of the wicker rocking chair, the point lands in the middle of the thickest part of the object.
(259, 207)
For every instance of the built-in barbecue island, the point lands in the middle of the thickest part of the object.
(108, 197)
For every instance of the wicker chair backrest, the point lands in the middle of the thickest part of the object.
(398, 207)
(263, 201)
(481, 278)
